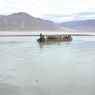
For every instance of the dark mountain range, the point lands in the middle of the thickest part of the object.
(24, 22)
(83, 25)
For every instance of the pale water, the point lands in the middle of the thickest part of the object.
(60, 68)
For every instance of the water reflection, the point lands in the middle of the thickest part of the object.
(46, 44)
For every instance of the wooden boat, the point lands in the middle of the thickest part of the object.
(45, 38)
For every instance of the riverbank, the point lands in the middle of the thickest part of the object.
(6, 33)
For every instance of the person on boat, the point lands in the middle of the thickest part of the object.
(41, 35)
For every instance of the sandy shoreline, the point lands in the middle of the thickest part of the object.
(45, 33)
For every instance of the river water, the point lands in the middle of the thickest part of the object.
(55, 68)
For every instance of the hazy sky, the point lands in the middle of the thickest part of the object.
(56, 10)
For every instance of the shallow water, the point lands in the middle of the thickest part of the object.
(59, 68)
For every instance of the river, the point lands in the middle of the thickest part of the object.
(55, 68)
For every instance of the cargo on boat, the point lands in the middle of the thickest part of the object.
(44, 38)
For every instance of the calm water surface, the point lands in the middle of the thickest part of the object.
(60, 68)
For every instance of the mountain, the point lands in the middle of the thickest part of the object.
(24, 22)
(83, 25)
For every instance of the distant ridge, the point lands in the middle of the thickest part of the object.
(82, 25)
(24, 22)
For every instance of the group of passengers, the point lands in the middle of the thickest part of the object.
(53, 37)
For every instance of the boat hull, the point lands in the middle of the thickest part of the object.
(54, 40)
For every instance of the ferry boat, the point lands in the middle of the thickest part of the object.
(45, 38)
